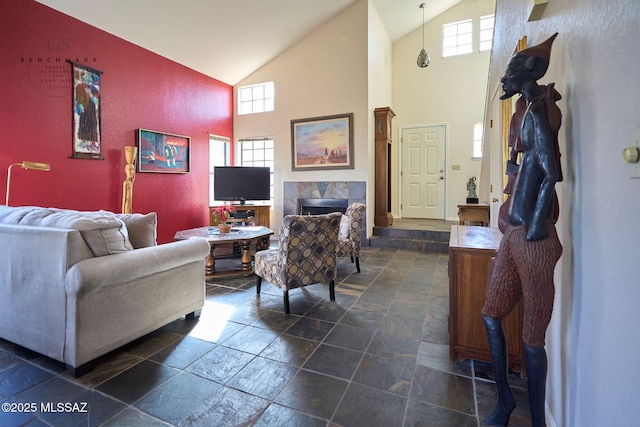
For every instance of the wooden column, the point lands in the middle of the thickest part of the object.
(383, 132)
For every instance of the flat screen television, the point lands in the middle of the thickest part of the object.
(241, 183)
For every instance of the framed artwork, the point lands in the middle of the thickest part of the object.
(322, 143)
(87, 102)
(163, 152)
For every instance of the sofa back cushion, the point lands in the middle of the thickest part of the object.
(104, 234)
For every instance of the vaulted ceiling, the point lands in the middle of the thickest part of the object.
(229, 40)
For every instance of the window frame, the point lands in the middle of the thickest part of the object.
(256, 98)
(263, 160)
(460, 48)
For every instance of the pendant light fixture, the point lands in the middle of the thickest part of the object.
(423, 57)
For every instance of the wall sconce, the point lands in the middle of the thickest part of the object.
(25, 165)
(423, 56)
(537, 9)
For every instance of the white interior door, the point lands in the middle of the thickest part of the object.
(423, 172)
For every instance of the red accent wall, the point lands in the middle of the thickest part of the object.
(139, 90)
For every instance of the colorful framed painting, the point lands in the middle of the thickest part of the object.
(322, 143)
(87, 119)
(163, 152)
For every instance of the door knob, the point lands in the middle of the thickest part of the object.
(495, 200)
(442, 177)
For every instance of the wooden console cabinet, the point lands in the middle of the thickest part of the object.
(470, 251)
(261, 213)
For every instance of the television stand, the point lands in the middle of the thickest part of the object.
(261, 213)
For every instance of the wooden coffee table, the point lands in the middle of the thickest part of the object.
(243, 236)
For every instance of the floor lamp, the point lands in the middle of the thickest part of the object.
(25, 165)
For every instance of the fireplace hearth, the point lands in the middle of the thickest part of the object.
(321, 206)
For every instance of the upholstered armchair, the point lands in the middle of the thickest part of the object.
(306, 255)
(350, 238)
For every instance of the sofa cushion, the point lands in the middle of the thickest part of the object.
(104, 234)
(141, 228)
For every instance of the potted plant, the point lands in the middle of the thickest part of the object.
(220, 216)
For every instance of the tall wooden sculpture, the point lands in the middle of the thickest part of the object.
(524, 264)
(130, 172)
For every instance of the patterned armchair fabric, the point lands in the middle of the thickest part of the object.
(350, 243)
(307, 254)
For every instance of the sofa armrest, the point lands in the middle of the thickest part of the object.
(92, 274)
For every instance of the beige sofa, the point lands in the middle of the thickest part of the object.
(76, 285)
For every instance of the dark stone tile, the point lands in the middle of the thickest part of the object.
(55, 390)
(174, 400)
(137, 381)
(412, 297)
(227, 407)
(421, 414)
(487, 398)
(289, 349)
(133, 418)
(385, 344)
(275, 321)
(336, 361)
(8, 360)
(313, 393)
(369, 320)
(387, 373)
(252, 340)
(327, 311)
(277, 415)
(21, 377)
(107, 367)
(402, 326)
(183, 353)
(370, 407)
(436, 356)
(311, 329)
(484, 371)
(206, 328)
(220, 364)
(436, 331)
(373, 302)
(349, 337)
(247, 314)
(443, 389)
(263, 377)
(99, 409)
(151, 343)
(15, 418)
(410, 311)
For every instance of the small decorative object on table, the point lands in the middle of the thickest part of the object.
(472, 196)
(220, 216)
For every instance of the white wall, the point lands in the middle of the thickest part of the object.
(450, 90)
(594, 338)
(323, 74)
(379, 82)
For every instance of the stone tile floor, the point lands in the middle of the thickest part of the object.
(378, 356)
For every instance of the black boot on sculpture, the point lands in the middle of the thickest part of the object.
(500, 360)
(536, 362)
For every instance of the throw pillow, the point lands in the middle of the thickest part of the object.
(141, 228)
(345, 227)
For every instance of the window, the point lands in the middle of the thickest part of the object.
(258, 152)
(457, 38)
(219, 155)
(477, 141)
(486, 32)
(256, 98)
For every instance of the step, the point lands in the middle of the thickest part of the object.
(417, 240)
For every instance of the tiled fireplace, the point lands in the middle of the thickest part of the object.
(295, 192)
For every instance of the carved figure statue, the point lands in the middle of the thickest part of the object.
(524, 264)
(130, 172)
